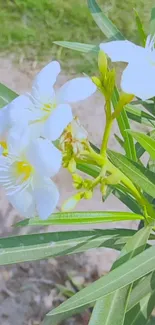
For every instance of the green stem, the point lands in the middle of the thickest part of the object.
(107, 129)
(106, 137)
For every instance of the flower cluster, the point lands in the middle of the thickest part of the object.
(29, 127)
(39, 133)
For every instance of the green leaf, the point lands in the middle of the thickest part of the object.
(139, 149)
(79, 218)
(145, 286)
(146, 142)
(141, 313)
(123, 275)
(151, 321)
(89, 169)
(139, 116)
(6, 95)
(152, 22)
(41, 246)
(123, 124)
(105, 25)
(151, 165)
(81, 47)
(106, 309)
(149, 105)
(133, 172)
(120, 192)
(119, 140)
(140, 29)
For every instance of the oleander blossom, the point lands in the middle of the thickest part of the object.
(138, 78)
(25, 174)
(48, 112)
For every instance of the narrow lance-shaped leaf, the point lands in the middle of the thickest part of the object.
(41, 246)
(106, 309)
(103, 22)
(144, 287)
(123, 124)
(139, 116)
(133, 172)
(146, 142)
(6, 95)
(80, 47)
(123, 275)
(120, 192)
(141, 313)
(119, 140)
(140, 28)
(139, 149)
(79, 218)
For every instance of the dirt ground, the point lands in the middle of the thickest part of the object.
(28, 290)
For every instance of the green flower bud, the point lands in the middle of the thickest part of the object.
(77, 181)
(110, 82)
(88, 195)
(125, 98)
(97, 81)
(87, 183)
(71, 203)
(102, 63)
(72, 166)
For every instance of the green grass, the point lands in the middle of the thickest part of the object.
(29, 27)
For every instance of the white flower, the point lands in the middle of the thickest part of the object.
(25, 174)
(45, 110)
(139, 76)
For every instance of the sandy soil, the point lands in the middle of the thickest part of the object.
(28, 291)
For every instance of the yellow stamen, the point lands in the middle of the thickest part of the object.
(47, 108)
(23, 168)
(5, 147)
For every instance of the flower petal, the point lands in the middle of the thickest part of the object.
(18, 139)
(19, 110)
(24, 202)
(76, 89)
(57, 122)
(45, 157)
(44, 81)
(78, 131)
(46, 197)
(139, 79)
(122, 51)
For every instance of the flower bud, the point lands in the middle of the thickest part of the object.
(125, 98)
(87, 183)
(72, 166)
(102, 63)
(71, 203)
(77, 181)
(110, 82)
(97, 81)
(88, 195)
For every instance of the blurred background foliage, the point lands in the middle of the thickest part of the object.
(28, 27)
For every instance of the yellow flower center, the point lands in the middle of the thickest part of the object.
(24, 169)
(47, 108)
(5, 148)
